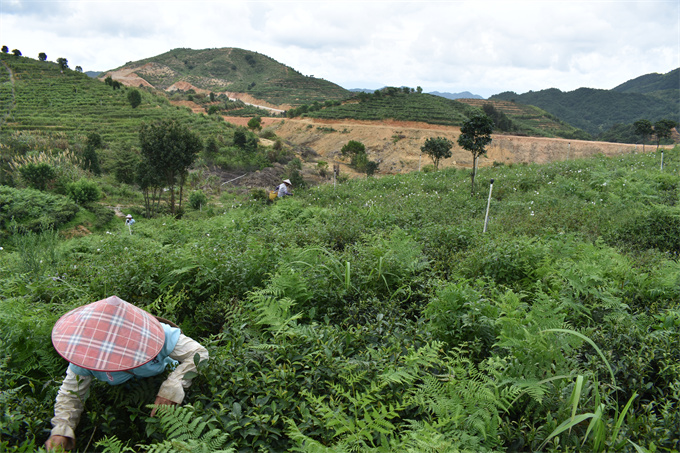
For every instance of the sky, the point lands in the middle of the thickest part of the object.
(482, 46)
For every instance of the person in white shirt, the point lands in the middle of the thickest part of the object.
(284, 188)
(114, 341)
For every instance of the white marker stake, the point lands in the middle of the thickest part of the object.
(488, 205)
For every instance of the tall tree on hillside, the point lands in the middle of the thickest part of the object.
(134, 98)
(437, 148)
(42, 56)
(644, 129)
(474, 136)
(663, 129)
(90, 157)
(5, 49)
(62, 62)
(169, 149)
(255, 123)
(16, 52)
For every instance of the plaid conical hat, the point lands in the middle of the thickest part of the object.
(108, 335)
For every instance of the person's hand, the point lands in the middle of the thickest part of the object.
(59, 443)
(160, 401)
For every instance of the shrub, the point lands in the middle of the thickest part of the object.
(38, 176)
(259, 195)
(657, 226)
(33, 210)
(84, 191)
(197, 199)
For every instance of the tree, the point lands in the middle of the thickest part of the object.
(644, 129)
(663, 129)
(474, 136)
(125, 164)
(42, 56)
(134, 98)
(437, 148)
(352, 148)
(16, 52)
(151, 185)
(38, 176)
(169, 149)
(358, 157)
(255, 123)
(63, 63)
(79, 69)
(90, 158)
(5, 49)
(240, 138)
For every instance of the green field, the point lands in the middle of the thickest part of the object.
(377, 316)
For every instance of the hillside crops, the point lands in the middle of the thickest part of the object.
(38, 98)
(376, 316)
(399, 106)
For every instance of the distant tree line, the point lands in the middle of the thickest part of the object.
(661, 130)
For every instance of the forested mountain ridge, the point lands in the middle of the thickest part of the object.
(598, 110)
(651, 83)
(232, 70)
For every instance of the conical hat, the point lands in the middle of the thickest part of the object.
(108, 335)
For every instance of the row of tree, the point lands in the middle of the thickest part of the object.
(42, 56)
(662, 129)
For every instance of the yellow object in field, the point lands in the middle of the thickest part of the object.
(273, 194)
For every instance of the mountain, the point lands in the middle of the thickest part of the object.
(228, 70)
(597, 110)
(463, 95)
(651, 83)
(38, 98)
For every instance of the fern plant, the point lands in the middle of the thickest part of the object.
(184, 431)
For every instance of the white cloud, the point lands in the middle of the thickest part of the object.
(480, 46)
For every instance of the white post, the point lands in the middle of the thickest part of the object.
(488, 205)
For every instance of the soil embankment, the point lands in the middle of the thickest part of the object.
(396, 145)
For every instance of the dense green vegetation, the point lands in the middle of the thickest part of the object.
(39, 99)
(521, 119)
(391, 103)
(51, 117)
(660, 85)
(375, 316)
(232, 69)
(653, 97)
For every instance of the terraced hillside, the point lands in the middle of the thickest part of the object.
(397, 105)
(228, 70)
(530, 120)
(39, 98)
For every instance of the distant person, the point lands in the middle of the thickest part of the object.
(129, 221)
(115, 342)
(284, 188)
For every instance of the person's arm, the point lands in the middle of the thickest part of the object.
(67, 410)
(172, 390)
